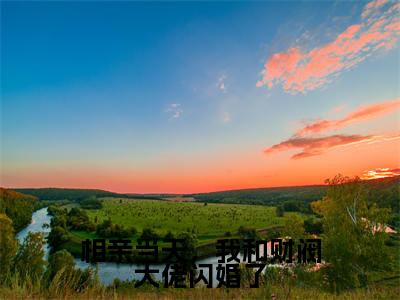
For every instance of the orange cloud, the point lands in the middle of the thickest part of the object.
(360, 114)
(312, 146)
(299, 71)
(380, 173)
(372, 6)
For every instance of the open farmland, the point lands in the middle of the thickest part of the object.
(207, 221)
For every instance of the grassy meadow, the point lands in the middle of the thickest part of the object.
(206, 221)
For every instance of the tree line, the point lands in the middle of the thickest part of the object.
(17, 206)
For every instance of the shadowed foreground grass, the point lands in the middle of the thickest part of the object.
(269, 292)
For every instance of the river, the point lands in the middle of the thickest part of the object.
(107, 271)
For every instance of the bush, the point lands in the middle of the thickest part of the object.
(149, 234)
(8, 246)
(59, 220)
(169, 236)
(91, 203)
(79, 220)
(107, 229)
(312, 225)
(63, 277)
(57, 236)
(60, 260)
(29, 261)
(280, 210)
(247, 232)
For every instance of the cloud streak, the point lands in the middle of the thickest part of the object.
(380, 173)
(301, 71)
(361, 114)
(312, 146)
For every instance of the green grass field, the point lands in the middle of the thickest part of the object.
(207, 221)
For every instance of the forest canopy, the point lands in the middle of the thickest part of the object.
(17, 206)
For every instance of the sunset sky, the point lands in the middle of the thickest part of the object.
(182, 97)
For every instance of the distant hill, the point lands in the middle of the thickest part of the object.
(17, 206)
(67, 194)
(76, 195)
(384, 191)
(270, 196)
(384, 182)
